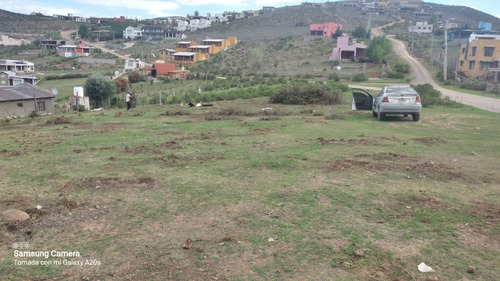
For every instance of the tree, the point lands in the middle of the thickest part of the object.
(378, 48)
(256, 59)
(337, 33)
(360, 32)
(98, 88)
(83, 31)
(196, 13)
(53, 35)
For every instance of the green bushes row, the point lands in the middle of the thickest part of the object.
(473, 86)
(67, 76)
(304, 93)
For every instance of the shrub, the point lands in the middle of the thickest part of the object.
(473, 86)
(360, 77)
(307, 94)
(432, 97)
(334, 76)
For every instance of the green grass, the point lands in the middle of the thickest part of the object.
(128, 189)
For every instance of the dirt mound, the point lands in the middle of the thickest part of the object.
(58, 121)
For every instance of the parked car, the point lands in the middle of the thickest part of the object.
(400, 99)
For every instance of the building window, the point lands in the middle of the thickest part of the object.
(19, 104)
(472, 64)
(484, 65)
(40, 105)
(473, 51)
(463, 50)
(488, 51)
(461, 63)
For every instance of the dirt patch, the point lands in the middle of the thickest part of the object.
(399, 163)
(58, 121)
(384, 156)
(486, 210)
(101, 183)
(361, 141)
(476, 239)
(336, 244)
(430, 141)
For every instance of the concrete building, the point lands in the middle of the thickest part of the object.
(480, 57)
(21, 100)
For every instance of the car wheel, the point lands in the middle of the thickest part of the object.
(416, 116)
(381, 116)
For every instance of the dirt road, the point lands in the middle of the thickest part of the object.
(421, 76)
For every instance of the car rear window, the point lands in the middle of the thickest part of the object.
(400, 91)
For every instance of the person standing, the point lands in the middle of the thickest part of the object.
(128, 98)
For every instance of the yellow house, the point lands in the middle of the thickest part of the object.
(480, 56)
(187, 58)
(221, 43)
(183, 46)
(165, 54)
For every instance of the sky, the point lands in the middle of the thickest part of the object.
(141, 9)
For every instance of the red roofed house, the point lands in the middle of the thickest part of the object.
(166, 70)
(324, 29)
(344, 51)
(74, 50)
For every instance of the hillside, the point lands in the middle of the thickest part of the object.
(31, 26)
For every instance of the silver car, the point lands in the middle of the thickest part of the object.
(401, 99)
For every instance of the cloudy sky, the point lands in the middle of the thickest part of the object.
(156, 8)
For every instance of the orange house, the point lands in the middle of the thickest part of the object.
(165, 70)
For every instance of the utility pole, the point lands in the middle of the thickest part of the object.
(445, 60)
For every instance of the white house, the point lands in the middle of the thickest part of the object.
(133, 64)
(421, 27)
(218, 18)
(132, 32)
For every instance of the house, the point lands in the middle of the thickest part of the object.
(167, 70)
(344, 51)
(205, 49)
(153, 32)
(421, 27)
(11, 78)
(69, 51)
(165, 54)
(480, 56)
(51, 44)
(174, 34)
(133, 64)
(132, 32)
(187, 58)
(325, 29)
(16, 65)
(221, 43)
(21, 100)
(183, 46)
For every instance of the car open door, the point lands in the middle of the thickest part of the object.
(361, 99)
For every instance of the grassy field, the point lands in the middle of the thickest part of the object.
(234, 192)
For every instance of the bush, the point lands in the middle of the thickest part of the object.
(474, 86)
(432, 97)
(395, 75)
(360, 77)
(307, 94)
(334, 76)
